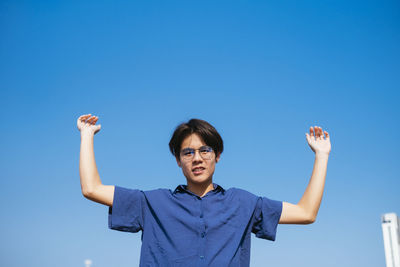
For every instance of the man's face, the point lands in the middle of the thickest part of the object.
(197, 170)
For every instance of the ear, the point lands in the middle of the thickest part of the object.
(217, 157)
(178, 162)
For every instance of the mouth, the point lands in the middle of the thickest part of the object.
(198, 170)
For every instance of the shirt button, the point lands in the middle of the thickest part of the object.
(202, 257)
(203, 235)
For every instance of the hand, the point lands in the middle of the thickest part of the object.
(86, 124)
(318, 143)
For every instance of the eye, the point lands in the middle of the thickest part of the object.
(187, 152)
(205, 149)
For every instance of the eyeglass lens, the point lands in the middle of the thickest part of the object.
(204, 151)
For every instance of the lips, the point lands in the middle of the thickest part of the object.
(198, 170)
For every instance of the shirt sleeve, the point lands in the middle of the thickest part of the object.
(266, 218)
(126, 213)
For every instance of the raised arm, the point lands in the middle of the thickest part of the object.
(91, 185)
(306, 210)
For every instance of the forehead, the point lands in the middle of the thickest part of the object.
(192, 141)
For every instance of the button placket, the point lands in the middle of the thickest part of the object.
(202, 231)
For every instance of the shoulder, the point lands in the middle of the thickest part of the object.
(240, 192)
(157, 193)
(150, 193)
(249, 199)
(242, 195)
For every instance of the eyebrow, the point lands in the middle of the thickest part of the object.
(194, 148)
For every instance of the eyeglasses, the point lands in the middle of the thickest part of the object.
(205, 152)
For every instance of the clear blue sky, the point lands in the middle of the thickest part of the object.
(262, 72)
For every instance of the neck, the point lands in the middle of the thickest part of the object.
(200, 189)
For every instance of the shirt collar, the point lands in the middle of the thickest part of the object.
(183, 188)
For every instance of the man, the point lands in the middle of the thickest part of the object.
(200, 223)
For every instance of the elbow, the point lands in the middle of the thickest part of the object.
(310, 219)
(308, 216)
(88, 192)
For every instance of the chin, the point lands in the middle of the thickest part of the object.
(199, 180)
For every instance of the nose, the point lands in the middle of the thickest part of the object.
(196, 156)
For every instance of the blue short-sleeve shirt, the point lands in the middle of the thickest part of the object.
(180, 228)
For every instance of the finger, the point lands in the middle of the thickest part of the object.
(322, 133)
(87, 120)
(317, 132)
(308, 137)
(311, 131)
(326, 134)
(84, 117)
(92, 120)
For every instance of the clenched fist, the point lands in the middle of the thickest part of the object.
(86, 124)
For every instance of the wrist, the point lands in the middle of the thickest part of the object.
(87, 134)
(322, 155)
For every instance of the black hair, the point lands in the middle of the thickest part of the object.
(205, 130)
